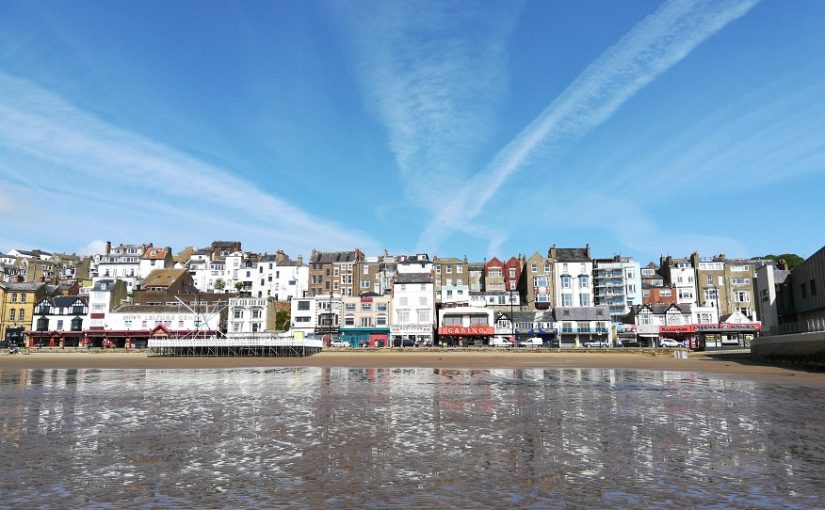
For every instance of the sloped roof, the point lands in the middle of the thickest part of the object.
(162, 277)
(22, 286)
(414, 278)
(572, 255)
(329, 257)
(154, 253)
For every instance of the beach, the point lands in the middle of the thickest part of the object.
(733, 363)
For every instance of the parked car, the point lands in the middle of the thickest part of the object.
(669, 342)
(531, 342)
(630, 344)
(500, 341)
(339, 343)
(596, 344)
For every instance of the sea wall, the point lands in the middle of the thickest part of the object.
(806, 348)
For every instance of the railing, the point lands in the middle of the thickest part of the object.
(790, 328)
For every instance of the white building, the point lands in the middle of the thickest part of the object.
(155, 258)
(455, 295)
(172, 317)
(207, 274)
(500, 299)
(573, 276)
(769, 279)
(280, 278)
(120, 262)
(105, 295)
(316, 316)
(413, 305)
(61, 313)
(618, 285)
(251, 315)
(681, 274)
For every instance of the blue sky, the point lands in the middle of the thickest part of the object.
(454, 128)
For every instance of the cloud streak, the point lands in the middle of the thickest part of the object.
(653, 46)
(56, 153)
(432, 86)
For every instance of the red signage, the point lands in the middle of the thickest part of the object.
(98, 315)
(461, 330)
(690, 328)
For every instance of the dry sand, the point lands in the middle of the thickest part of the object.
(732, 363)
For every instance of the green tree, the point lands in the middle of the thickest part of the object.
(282, 318)
(792, 259)
(220, 284)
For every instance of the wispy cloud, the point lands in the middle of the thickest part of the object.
(434, 88)
(78, 170)
(653, 46)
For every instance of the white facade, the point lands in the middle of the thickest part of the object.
(574, 284)
(248, 315)
(172, 318)
(122, 263)
(413, 306)
(316, 314)
(455, 295)
(618, 284)
(280, 282)
(207, 273)
(61, 313)
(495, 299)
(682, 276)
(102, 296)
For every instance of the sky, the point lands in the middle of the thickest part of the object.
(478, 129)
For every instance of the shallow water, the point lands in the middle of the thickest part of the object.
(404, 438)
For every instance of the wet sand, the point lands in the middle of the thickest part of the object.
(733, 363)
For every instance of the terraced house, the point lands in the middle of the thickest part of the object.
(17, 309)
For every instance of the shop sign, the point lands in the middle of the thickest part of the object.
(466, 331)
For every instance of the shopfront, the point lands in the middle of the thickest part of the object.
(465, 336)
(411, 335)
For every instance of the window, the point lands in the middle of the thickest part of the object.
(459, 269)
(512, 285)
(238, 314)
(534, 268)
(381, 307)
(743, 296)
(665, 293)
(646, 293)
(365, 284)
(584, 299)
(710, 294)
(512, 272)
(584, 281)
(349, 307)
(403, 316)
(366, 307)
(403, 301)
(438, 269)
(565, 282)
(567, 300)
(366, 269)
(381, 320)
(449, 268)
(12, 313)
(478, 320)
(566, 327)
(366, 322)
(256, 314)
(349, 320)
(685, 293)
(584, 327)
(423, 316)
(710, 279)
(740, 281)
(546, 268)
(422, 300)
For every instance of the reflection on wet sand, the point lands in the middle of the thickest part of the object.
(393, 437)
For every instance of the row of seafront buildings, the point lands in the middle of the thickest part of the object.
(564, 296)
